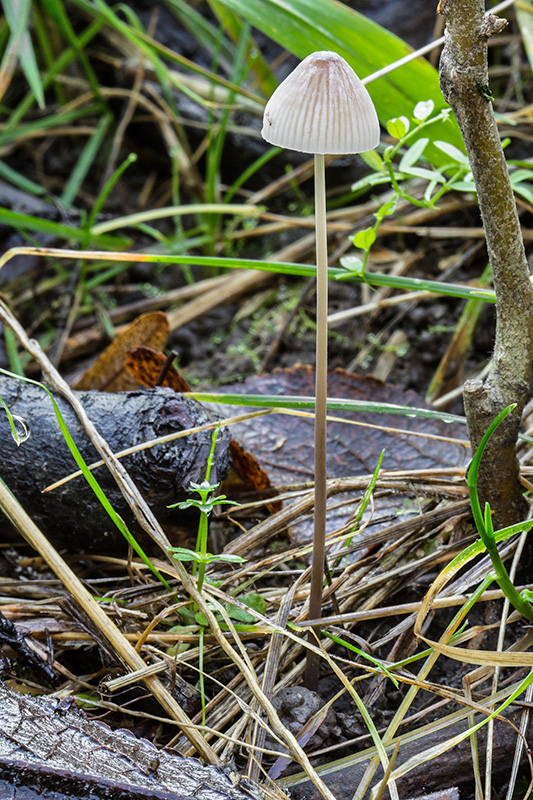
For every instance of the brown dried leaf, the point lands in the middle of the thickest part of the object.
(145, 365)
(108, 373)
(248, 469)
(284, 445)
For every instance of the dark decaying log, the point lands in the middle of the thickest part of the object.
(71, 515)
(52, 751)
(452, 768)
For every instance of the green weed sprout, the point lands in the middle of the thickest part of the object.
(200, 557)
(519, 600)
(385, 171)
(453, 174)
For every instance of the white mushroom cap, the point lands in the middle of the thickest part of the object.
(322, 107)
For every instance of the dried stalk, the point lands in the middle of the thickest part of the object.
(124, 651)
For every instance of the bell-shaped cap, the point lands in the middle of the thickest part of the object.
(322, 107)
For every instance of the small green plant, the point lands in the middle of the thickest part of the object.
(207, 502)
(521, 601)
(200, 558)
(405, 160)
(385, 170)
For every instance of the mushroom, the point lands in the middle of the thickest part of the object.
(322, 108)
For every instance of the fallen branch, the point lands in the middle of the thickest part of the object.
(162, 474)
(451, 769)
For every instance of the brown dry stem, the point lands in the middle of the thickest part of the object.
(464, 83)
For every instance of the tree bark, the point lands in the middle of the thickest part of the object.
(52, 748)
(464, 83)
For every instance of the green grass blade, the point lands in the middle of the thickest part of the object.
(45, 35)
(20, 181)
(303, 26)
(475, 464)
(256, 62)
(85, 161)
(418, 284)
(334, 404)
(248, 172)
(524, 18)
(12, 352)
(9, 132)
(57, 11)
(104, 194)
(156, 52)
(277, 267)
(17, 15)
(174, 211)
(362, 654)
(27, 222)
(200, 28)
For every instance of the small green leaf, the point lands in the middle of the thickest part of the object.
(179, 630)
(186, 504)
(239, 615)
(465, 186)
(204, 486)
(354, 264)
(253, 600)
(373, 160)
(230, 559)
(178, 649)
(184, 554)
(364, 239)
(411, 156)
(423, 109)
(398, 127)
(421, 172)
(386, 209)
(187, 616)
(524, 192)
(453, 152)
(220, 500)
(372, 179)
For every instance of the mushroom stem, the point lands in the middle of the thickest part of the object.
(321, 383)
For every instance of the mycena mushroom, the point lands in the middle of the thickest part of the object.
(322, 108)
